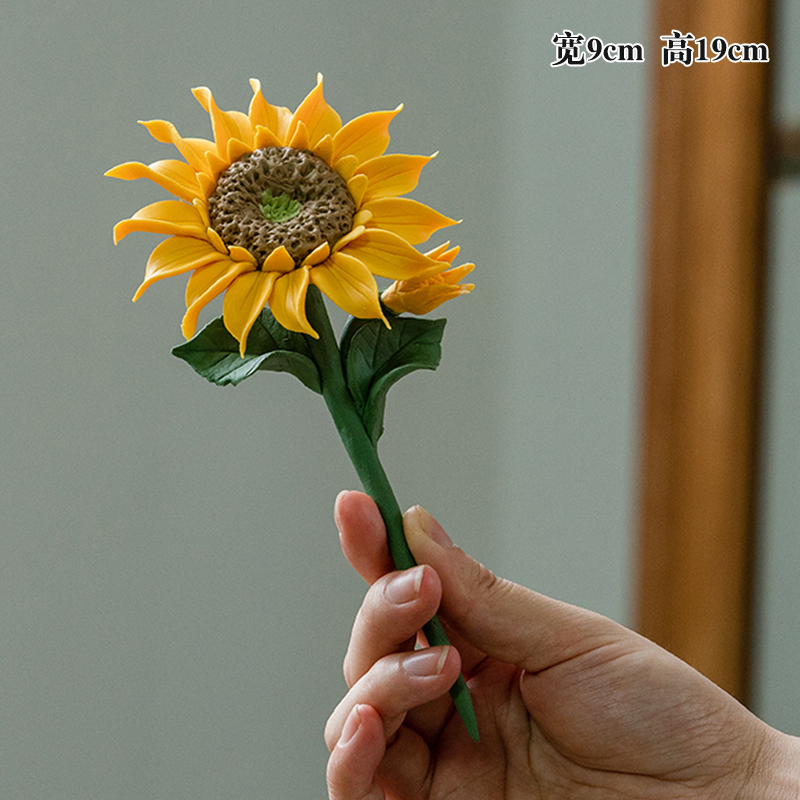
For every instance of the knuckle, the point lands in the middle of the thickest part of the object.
(485, 581)
(329, 735)
(486, 586)
(349, 669)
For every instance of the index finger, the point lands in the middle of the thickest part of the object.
(363, 535)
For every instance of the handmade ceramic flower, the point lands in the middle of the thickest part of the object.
(280, 201)
(278, 209)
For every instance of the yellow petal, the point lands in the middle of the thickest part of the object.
(317, 255)
(364, 137)
(318, 117)
(390, 256)
(278, 260)
(350, 285)
(357, 186)
(175, 256)
(413, 221)
(204, 278)
(242, 254)
(454, 275)
(241, 125)
(215, 164)
(167, 216)
(226, 125)
(216, 241)
(349, 237)
(236, 149)
(391, 175)
(324, 148)
(275, 118)
(441, 253)
(207, 184)
(288, 302)
(244, 301)
(204, 285)
(362, 218)
(202, 209)
(195, 151)
(423, 296)
(266, 138)
(347, 166)
(176, 177)
(298, 138)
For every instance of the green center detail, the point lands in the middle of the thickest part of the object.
(280, 208)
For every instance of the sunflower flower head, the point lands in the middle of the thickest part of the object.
(278, 201)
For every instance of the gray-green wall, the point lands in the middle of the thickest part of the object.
(173, 604)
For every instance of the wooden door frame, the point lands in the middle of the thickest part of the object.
(704, 320)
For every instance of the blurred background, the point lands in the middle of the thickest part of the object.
(174, 607)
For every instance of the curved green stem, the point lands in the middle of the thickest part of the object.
(364, 455)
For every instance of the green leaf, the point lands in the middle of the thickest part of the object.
(214, 353)
(297, 364)
(375, 358)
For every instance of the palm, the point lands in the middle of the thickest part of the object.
(495, 768)
(586, 729)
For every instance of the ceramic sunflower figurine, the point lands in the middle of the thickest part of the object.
(278, 210)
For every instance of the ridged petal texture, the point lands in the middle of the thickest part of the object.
(381, 241)
(422, 295)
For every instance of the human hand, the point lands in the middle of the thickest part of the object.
(570, 704)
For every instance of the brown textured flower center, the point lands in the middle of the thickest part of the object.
(325, 212)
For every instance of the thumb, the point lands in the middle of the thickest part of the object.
(502, 618)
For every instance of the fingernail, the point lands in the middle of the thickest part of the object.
(336, 509)
(429, 526)
(425, 662)
(405, 587)
(350, 728)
